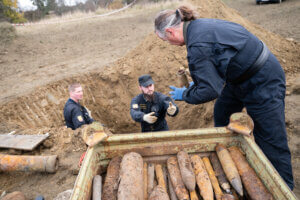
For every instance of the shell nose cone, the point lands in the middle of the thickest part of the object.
(237, 185)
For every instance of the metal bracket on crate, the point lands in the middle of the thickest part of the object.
(241, 123)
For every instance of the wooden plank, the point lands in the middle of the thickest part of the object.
(22, 142)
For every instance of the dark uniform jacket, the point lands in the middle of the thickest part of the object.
(217, 51)
(140, 106)
(76, 115)
(220, 53)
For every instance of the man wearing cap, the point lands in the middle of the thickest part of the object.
(150, 107)
(75, 114)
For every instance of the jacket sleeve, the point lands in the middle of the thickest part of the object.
(87, 117)
(208, 84)
(77, 117)
(135, 110)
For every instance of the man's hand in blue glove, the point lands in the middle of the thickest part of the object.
(177, 93)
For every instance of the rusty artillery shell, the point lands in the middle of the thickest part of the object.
(160, 176)
(145, 180)
(219, 172)
(28, 163)
(227, 197)
(217, 190)
(229, 168)
(253, 185)
(176, 180)
(97, 187)
(111, 183)
(131, 177)
(186, 170)
(182, 78)
(193, 195)
(159, 193)
(202, 178)
(171, 189)
(150, 178)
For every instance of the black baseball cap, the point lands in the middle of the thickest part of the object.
(145, 80)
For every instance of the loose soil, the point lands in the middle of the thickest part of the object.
(106, 55)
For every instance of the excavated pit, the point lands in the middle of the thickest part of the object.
(107, 93)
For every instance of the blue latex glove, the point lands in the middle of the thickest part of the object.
(177, 93)
(191, 83)
(40, 197)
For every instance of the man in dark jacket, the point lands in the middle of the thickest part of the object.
(75, 114)
(150, 107)
(231, 64)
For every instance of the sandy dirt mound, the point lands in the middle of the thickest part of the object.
(108, 92)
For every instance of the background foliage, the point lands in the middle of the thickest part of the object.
(9, 12)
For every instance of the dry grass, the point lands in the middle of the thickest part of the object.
(7, 33)
(62, 23)
(83, 16)
(141, 8)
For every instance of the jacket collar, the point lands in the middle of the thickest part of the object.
(185, 26)
(72, 101)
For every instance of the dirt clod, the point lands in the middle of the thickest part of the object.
(64, 195)
(17, 195)
(296, 87)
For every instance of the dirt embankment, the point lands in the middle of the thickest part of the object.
(108, 90)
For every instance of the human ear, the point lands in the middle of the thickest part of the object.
(169, 31)
(140, 88)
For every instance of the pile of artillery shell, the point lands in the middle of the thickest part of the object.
(220, 175)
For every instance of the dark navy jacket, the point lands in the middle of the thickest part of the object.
(139, 107)
(217, 51)
(76, 115)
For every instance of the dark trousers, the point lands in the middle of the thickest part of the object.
(263, 96)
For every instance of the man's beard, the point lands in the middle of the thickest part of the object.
(149, 97)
